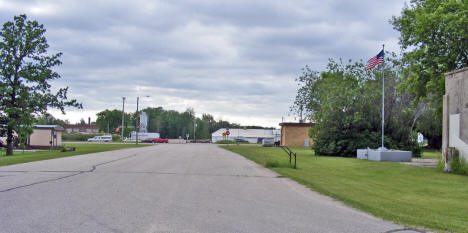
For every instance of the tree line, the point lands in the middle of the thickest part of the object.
(169, 123)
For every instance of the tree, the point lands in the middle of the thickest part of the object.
(109, 120)
(436, 34)
(25, 71)
(345, 103)
(48, 119)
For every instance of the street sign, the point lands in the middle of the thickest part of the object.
(227, 132)
(224, 134)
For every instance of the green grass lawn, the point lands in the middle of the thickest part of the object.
(431, 154)
(408, 195)
(81, 148)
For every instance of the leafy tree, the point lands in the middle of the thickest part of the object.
(345, 103)
(25, 71)
(48, 119)
(109, 120)
(435, 33)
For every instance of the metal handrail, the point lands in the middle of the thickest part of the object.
(290, 154)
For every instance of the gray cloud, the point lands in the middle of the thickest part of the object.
(234, 59)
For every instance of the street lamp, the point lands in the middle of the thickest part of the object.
(123, 118)
(138, 120)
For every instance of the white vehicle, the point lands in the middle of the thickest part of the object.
(103, 138)
(130, 140)
(268, 142)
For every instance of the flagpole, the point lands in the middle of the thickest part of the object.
(383, 98)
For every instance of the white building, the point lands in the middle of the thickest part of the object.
(250, 135)
(144, 136)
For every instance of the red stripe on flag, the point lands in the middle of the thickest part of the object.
(373, 62)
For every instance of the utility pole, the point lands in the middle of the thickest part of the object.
(123, 118)
(137, 129)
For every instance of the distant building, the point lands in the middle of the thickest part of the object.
(249, 135)
(81, 128)
(45, 137)
(295, 134)
(42, 136)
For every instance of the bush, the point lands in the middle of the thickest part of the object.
(116, 138)
(77, 137)
(458, 165)
(272, 164)
(229, 142)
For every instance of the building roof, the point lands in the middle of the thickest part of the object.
(303, 124)
(54, 127)
(248, 133)
(82, 126)
(456, 71)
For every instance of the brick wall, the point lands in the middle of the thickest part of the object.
(294, 135)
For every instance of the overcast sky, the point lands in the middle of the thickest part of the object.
(234, 59)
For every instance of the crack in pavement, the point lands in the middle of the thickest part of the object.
(404, 229)
(93, 168)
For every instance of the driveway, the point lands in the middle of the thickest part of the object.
(167, 188)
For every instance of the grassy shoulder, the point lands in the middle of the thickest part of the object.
(404, 194)
(431, 154)
(81, 148)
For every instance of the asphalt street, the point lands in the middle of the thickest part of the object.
(167, 188)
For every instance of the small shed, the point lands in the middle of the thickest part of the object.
(295, 134)
(45, 136)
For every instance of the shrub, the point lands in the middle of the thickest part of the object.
(272, 164)
(229, 142)
(116, 138)
(458, 165)
(77, 137)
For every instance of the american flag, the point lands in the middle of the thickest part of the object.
(378, 59)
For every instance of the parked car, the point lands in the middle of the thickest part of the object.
(240, 140)
(103, 138)
(156, 140)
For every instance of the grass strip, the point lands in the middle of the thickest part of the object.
(81, 148)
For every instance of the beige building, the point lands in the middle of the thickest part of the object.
(455, 112)
(45, 136)
(295, 134)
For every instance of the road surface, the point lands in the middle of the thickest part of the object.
(167, 188)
